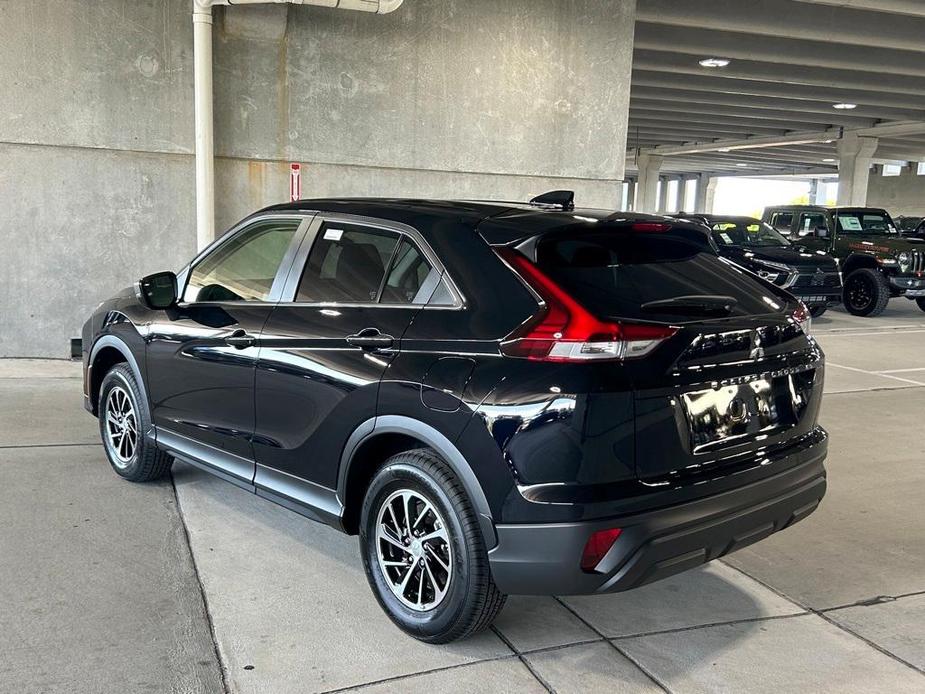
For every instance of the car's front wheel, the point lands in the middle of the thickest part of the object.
(423, 550)
(866, 292)
(124, 418)
(818, 310)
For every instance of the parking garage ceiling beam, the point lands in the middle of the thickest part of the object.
(886, 130)
(799, 107)
(651, 115)
(705, 112)
(807, 75)
(798, 20)
(827, 96)
(782, 50)
(913, 8)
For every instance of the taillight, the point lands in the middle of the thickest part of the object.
(566, 331)
(803, 318)
(597, 547)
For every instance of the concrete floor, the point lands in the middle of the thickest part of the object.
(198, 586)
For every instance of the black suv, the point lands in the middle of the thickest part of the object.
(876, 261)
(496, 397)
(814, 278)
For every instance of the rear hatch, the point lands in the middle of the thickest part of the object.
(737, 378)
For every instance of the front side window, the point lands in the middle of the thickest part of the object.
(813, 223)
(782, 221)
(243, 268)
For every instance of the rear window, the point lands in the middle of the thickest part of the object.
(614, 274)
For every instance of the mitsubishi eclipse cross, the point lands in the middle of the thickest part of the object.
(497, 398)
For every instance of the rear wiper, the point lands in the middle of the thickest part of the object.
(705, 304)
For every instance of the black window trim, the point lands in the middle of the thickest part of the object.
(402, 230)
(282, 272)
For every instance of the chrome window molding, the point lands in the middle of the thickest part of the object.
(282, 272)
(403, 230)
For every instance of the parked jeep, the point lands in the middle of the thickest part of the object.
(877, 262)
(813, 277)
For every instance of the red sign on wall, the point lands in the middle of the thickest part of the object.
(295, 182)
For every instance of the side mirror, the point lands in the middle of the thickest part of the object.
(157, 291)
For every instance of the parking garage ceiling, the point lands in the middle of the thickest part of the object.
(790, 63)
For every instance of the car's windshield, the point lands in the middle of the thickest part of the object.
(750, 233)
(865, 222)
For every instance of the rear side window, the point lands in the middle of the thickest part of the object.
(347, 264)
(244, 267)
(413, 280)
(614, 274)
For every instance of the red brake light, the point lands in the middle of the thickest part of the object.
(803, 318)
(566, 331)
(651, 227)
(597, 546)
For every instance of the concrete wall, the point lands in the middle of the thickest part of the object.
(900, 195)
(444, 98)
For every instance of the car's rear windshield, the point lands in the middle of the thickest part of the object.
(865, 221)
(750, 233)
(615, 274)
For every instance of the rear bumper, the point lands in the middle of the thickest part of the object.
(544, 559)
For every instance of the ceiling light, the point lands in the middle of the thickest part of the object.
(829, 161)
(844, 107)
(742, 165)
(724, 150)
(714, 62)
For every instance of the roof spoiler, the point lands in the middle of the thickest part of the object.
(561, 199)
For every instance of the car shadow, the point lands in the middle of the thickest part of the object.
(710, 595)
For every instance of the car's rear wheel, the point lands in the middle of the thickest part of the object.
(866, 292)
(124, 417)
(423, 550)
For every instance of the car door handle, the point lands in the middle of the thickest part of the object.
(370, 338)
(240, 340)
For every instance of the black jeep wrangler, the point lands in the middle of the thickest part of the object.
(877, 262)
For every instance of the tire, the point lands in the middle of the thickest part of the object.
(866, 293)
(123, 410)
(921, 303)
(816, 311)
(470, 600)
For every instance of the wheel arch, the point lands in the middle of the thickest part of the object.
(378, 438)
(108, 351)
(858, 261)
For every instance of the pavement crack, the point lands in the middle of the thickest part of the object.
(537, 676)
(876, 600)
(651, 675)
(822, 615)
(202, 591)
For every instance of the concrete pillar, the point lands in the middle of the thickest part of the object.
(854, 160)
(630, 195)
(647, 185)
(663, 195)
(706, 194)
